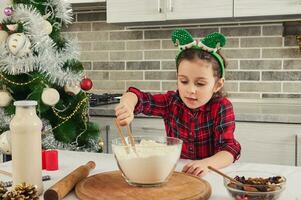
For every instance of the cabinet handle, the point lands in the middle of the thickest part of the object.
(159, 6)
(296, 149)
(170, 6)
(107, 138)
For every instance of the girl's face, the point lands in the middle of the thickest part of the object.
(196, 82)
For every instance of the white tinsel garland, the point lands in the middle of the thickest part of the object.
(49, 60)
(4, 120)
(49, 142)
(11, 64)
(70, 51)
(62, 11)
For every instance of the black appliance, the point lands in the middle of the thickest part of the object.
(104, 99)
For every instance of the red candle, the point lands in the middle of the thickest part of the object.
(51, 157)
(43, 159)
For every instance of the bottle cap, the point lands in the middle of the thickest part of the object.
(25, 103)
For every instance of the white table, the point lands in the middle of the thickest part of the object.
(68, 161)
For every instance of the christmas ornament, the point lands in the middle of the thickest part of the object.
(72, 90)
(5, 98)
(5, 142)
(101, 143)
(50, 96)
(86, 84)
(46, 27)
(8, 11)
(12, 27)
(18, 44)
(3, 36)
(4, 4)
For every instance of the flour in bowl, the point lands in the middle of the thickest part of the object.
(152, 162)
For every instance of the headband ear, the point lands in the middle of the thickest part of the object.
(181, 38)
(214, 40)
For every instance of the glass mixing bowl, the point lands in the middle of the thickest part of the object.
(270, 189)
(151, 162)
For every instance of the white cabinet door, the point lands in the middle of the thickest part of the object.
(85, 1)
(112, 132)
(246, 8)
(140, 127)
(267, 142)
(148, 126)
(298, 148)
(198, 9)
(119, 11)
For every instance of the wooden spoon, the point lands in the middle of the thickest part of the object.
(226, 176)
(130, 135)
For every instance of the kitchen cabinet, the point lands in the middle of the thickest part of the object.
(84, 1)
(148, 126)
(108, 131)
(135, 11)
(140, 127)
(119, 11)
(248, 8)
(196, 9)
(271, 143)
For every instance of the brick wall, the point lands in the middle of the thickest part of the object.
(262, 63)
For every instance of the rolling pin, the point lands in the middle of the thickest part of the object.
(60, 189)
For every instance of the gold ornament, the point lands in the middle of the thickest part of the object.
(101, 143)
(18, 44)
(5, 98)
(50, 96)
(72, 90)
(46, 27)
(3, 36)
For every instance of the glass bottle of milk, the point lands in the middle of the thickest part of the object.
(25, 130)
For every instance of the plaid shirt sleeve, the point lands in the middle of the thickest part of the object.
(148, 104)
(224, 129)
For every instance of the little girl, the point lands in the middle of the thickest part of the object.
(197, 112)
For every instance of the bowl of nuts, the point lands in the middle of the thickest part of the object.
(255, 185)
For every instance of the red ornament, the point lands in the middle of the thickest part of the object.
(86, 84)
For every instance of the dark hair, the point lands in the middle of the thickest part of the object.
(193, 54)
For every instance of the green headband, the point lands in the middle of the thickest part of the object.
(211, 43)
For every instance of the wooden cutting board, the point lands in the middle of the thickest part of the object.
(112, 186)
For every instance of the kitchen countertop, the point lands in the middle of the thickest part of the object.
(68, 161)
(275, 111)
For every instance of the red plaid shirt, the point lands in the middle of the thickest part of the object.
(204, 132)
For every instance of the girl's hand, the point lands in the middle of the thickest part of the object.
(124, 113)
(197, 168)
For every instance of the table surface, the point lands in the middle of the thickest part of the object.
(68, 161)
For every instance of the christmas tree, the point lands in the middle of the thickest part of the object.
(38, 62)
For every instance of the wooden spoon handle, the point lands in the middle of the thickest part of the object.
(224, 175)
